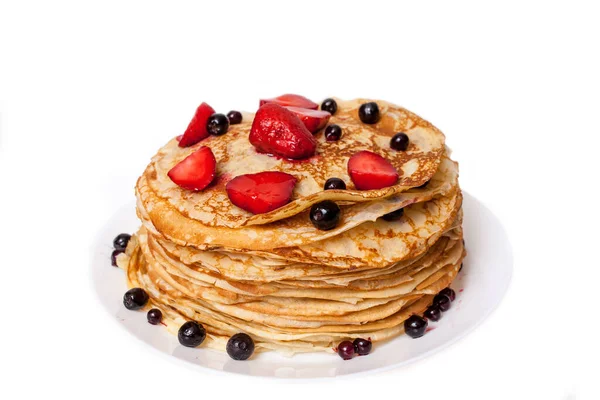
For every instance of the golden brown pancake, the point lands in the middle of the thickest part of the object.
(278, 320)
(275, 276)
(236, 156)
(160, 215)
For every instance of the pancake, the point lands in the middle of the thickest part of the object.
(396, 282)
(159, 216)
(290, 286)
(236, 156)
(380, 243)
(295, 326)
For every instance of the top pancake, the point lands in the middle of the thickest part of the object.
(236, 156)
(159, 216)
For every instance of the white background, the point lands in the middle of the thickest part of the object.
(89, 91)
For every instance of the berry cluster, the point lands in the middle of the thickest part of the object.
(415, 326)
(348, 349)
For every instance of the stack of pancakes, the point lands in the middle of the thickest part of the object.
(275, 276)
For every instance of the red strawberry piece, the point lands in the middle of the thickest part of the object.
(291, 100)
(277, 130)
(196, 130)
(196, 171)
(262, 192)
(312, 119)
(371, 171)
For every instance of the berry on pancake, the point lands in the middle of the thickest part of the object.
(277, 130)
(262, 192)
(371, 171)
(291, 100)
(196, 130)
(196, 171)
(314, 120)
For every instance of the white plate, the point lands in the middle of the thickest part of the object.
(479, 288)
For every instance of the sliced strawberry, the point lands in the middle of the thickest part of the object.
(371, 171)
(262, 192)
(312, 119)
(196, 130)
(277, 130)
(291, 100)
(196, 171)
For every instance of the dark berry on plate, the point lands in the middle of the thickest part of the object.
(333, 133)
(154, 316)
(433, 313)
(240, 346)
(334, 183)
(120, 242)
(415, 326)
(329, 105)
(217, 124)
(191, 334)
(113, 257)
(399, 141)
(394, 215)
(346, 349)
(325, 215)
(442, 301)
(362, 347)
(234, 117)
(449, 292)
(369, 113)
(135, 298)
